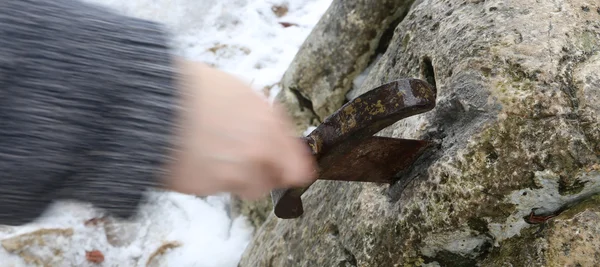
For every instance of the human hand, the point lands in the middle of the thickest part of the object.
(232, 140)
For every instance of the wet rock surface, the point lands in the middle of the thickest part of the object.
(517, 120)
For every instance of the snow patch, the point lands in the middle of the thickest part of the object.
(243, 37)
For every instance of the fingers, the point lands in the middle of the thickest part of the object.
(283, 161)
(299, 166)
(235, 141)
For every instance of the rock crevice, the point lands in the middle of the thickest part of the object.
(516, 122)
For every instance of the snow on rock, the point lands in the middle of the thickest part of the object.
(253, 39)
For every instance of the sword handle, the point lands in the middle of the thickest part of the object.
(355, 121)
(287, 203)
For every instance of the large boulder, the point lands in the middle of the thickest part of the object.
(339, 47)
(518, 162)
(325, 66)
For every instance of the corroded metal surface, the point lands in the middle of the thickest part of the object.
(344, 145)
(376, 160)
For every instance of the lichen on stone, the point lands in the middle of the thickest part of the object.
(517, 121)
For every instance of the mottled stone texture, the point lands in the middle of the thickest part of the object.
(340, 46)
(336, 51)
(518, 121)
(255, 211)
(571, 239)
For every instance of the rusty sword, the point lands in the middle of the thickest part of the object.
(346, 150)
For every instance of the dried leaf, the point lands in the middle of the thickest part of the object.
(280, 11)
(246, 50)
(287, 24)
(95, 221)
(217, 47)
(94, 256)
(33, 247)
(152, 260)
(26, 240)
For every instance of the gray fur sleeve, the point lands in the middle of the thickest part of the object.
(87, 107)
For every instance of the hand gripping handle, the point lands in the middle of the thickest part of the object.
(351, 125)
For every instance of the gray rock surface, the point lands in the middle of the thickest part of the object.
(567, 240)
(340, 46)
(518, 121)
(255, 211)
(322, 71)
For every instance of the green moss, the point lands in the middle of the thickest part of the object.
(517, 80)
(486, 71)
(497, 163)
(413, 262)
(526, 249)
(516, 72)
(527, 85)
(502, 87)
(474, 184)
(590, 203)
(497, 211)
(588, 42)
(478, 224)
(507, 87)
(568, 187)
(521, 250)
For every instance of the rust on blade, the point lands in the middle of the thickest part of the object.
(345, 148)
(369, 113)
(375, 160)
